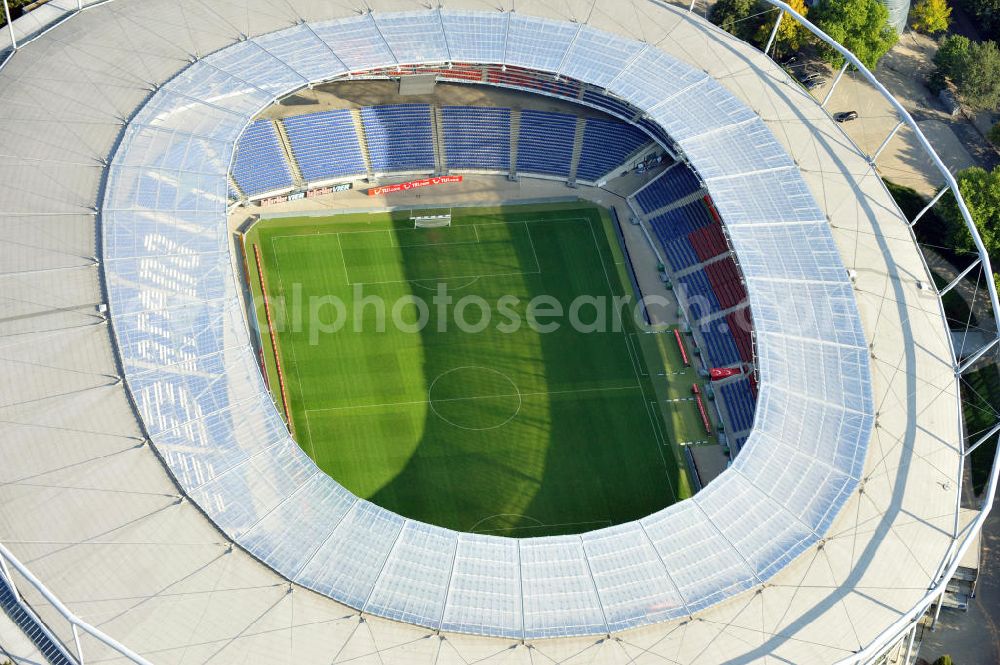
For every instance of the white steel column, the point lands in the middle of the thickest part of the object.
(983, 439)
(5, 571)
(10, 24)
(774, 32)
(899, 125)
(960, 277)
(937, 197)
(977, 355)
(833, 86)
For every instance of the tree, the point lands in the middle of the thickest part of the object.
(952, 55)
(791, 34)
(943, 660)
(993, 136)
(930, 16)
(981, 190)
(979, 81)
(862, 26)
(974, 68)
(737, 17)
(986, 12)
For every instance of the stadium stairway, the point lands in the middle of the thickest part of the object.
(437, 134)
(33, 628)
(286, 146)
(515, 132)
(574, 162)
(700, 265)
(359, 129)
(236, 188)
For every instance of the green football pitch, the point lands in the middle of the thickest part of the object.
(501, 426)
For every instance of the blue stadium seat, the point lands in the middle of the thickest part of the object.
(399, 137)
(679, 222)
(721, 347)
(260, 164)
(609, 104)
(675, 183)
(476, 137)
(325, 145)
(700, 297)
(739, 403)
(52, 652)
(545, 143)
(606, 145)
(680, 253)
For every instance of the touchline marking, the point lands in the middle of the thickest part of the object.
(531, 242)
(459, 225)
(475, 397)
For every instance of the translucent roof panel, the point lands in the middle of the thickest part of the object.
(652, 78)
(357, 42)
(476, 37)
(597, 57)
(807, 252)
(560, 597)
(704, 566)
(347, 565)
(414, 37)
(537, 43)
(192, 372)
(302, 50)
(249, 61)
(484, 595)
(744, 148)
(290, 535)
(631, 579)
(821, 311)
(413, 584)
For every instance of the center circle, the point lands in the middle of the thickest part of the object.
(474, 398)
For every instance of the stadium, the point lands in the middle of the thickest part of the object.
(763, 463)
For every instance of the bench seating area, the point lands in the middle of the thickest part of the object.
(545, 143)
(399, 137)
(260, 164)
(680, 253)
(476, 137)
(325, 145)
(727, 283)
(721, 346)
(679, 222)
(606, 146)
(708, 242)
(740, 404)
(609, 104)
(697, 290)
(674, 184)
(741, 324)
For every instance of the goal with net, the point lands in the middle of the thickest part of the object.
(431, 219)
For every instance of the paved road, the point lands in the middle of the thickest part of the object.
(973, 637)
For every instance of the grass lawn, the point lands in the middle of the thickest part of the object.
(506, 430)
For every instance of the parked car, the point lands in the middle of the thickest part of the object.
(814, 83)
(845, 116)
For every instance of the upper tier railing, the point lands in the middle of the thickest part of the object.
(36, 24)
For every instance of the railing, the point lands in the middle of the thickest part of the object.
(8, 561)
(963, 538)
